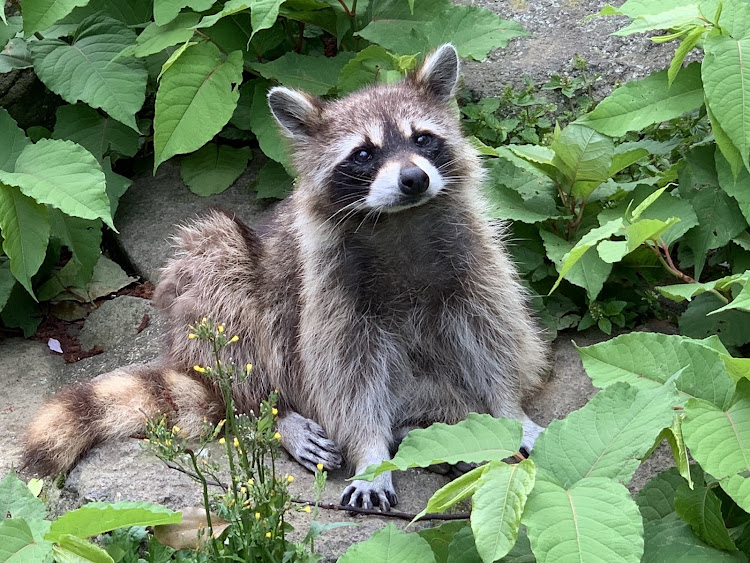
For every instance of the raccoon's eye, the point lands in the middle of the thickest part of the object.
(423, 140)
(362, 156)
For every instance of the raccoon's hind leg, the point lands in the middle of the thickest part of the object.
(114, 405)
(307, 442)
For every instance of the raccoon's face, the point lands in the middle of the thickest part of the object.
(386, 148)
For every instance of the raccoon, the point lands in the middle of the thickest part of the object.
(379, 298)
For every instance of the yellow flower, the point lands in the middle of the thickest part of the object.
(307, 509)
(222, 441)
(176, 429)
(257, 515)
(236, 443)
(191, 336)
(277, 436)
(268, 534)
(167, 443)
(251, 482)
(204, 320)
(290, 478)
(199, 369)
(274, 411)
(220, 328)
(320, 467)
(243, 489)
(248, 367)
(235, 338)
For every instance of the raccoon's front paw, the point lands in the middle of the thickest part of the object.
(367, 494)
(307, 442)
(531, 431)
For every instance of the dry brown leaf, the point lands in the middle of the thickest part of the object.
(185, 534)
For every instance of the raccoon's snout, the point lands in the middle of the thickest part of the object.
(413, 181)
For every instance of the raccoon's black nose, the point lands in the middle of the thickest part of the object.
(413, 181)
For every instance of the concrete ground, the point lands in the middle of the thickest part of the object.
(147, 214)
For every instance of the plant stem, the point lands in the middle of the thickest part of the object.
(204, 483)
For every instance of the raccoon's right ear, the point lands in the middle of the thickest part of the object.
(439, 72)
(295, 111)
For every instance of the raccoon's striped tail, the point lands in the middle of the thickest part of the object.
(116, 404)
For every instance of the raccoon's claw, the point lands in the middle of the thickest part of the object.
(368, 494)
(307, 442)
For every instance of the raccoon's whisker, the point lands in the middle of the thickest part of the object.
(348, 209)
(358, 207)
(358, 178)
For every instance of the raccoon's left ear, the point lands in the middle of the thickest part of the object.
(439, 72)
(295, 111)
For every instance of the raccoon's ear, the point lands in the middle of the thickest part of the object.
(295, 111)
(439, 72)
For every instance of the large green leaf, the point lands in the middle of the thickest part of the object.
(589, 272)
(96, 133)
(701, 508)
(18, 545)
(156, 38)
(727, 85)
(372, 64)
(316, 75)
(656, 498)
(455, 491)
(594, 520)
(89, 69)
(213, 168)
(584, 158)
(738, 487)
(506, 203)
(686, 291)
(72, 549)
(607, 437)
(272, 182)
(741, 301)
(40, 14)
(14, 141)
(497, 506)
(478, 438)
(129, 12)
(672, 539)
(263, 13)
(17, 500)
(737, 186)
(24, 224)
(83, 237)
(390, 545)
(650, 100)
(647, 360)
(64, 175)
(99, 517)
(719, 438)
(703, 318)
(441, 537)
(21, 311)
(265, 127)
(7, 281)
(635, 235)
(166, 10)
(196, 97)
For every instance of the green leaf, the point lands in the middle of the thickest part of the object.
(686, 45)
(390, 545)
(594, 520)
(14, 141)
(736, 185)
(156, 38)
(7, 281)
(129, 12)
(584, 157)
(656, 499)
(72, 549)
(462, 548)
(701, 508)
(635, 235)
(742, 301)
(64, 175)
(367, 67)
(213, 168)
(478, 438)
(15, 56)
(589, 272)
(196, 97)
(82, 237)
(116, 185)
(686, 291)
(648, 360)
(38, 15)
(676, 440)
(440, 538)
(272, 182)
(497, 507)
(727, 88)
(672, 539)
(454, 492)
(25, 228)
(263, 13)
(17, 543)
(640, 103)
(17, 500)
(166, 10)
(265, 127)
(702, 319)
(21, 311)
(516, 193)
(317, 75)
(94, 132)
(89, 69)
(669, 18)
(726, 147)
(719, 438)
(738, 487)
(607, 437)
(622, 160)
(99, 517)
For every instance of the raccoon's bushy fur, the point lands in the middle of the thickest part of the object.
(369, 319)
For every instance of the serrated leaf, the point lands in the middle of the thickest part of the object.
(672, 539)
(72, 549)
(589, 272)
(454, 492)
(40, 14)
(265, 127)
(63, 175)
(584, 158)
(99, 517)
(719, 439)
(17, 500)
(594, 520)
(272, 182)
(317, 75)
(14, 141)
(607, 437)
(166, 10)
(640, 103)
(727, 89)
(156, 38)
(701, 508)
(656, 499)
(96, 133)
(90, 70)
(478, 438)
(213, 168)
(648, 360)
(196, 97)
(24, 225)
(497, 506)
(390, 545)
(17, 543)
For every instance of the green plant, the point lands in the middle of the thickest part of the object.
(25, 534)
(164, 79)
(568, 501)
